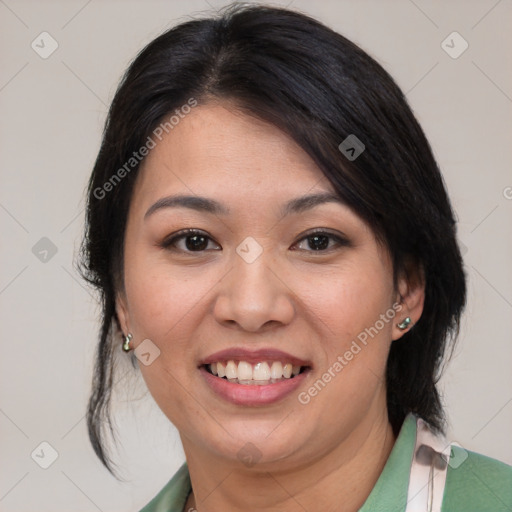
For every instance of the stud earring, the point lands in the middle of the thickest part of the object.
(405, 323)
(126, 343)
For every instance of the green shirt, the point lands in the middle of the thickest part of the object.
(478, 484)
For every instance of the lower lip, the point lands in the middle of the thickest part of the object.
(252, 395)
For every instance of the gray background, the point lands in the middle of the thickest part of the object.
(53, 111)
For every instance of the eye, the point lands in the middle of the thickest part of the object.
(194, 241)
(320, 241)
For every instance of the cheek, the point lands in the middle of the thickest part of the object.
(162, 297)
(355, 342)
(165, 306)
(348, 300)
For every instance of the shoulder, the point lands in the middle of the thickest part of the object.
(477, 483)
(173, 496)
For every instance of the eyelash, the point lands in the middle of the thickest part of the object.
(169, 243)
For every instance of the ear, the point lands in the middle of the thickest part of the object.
(122, 313)
(411, 296)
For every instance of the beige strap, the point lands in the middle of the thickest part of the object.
(428, 470)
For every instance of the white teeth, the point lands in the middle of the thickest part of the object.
(261, 371)
(231, 370)
(287, 370)
(243, 372)
(276, 372)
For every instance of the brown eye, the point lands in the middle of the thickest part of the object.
(318, 242)
(195, 241)
(322, 241)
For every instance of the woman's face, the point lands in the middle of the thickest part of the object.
(258, 286)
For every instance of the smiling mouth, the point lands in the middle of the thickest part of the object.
(259, 374)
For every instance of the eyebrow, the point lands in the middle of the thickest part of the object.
(207, 205)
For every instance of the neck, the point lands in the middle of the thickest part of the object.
(345, 475)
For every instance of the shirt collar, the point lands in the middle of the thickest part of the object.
(389, 493)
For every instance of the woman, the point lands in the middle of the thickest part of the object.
(277, 253)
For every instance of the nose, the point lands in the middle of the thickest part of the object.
(253, 296)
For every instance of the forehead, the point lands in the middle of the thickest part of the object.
(217, 148)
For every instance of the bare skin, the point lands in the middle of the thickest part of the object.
(312, 304)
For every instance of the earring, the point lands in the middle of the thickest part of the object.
(406, 322)
(126, 343)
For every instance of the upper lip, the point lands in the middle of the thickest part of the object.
(254, 356)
